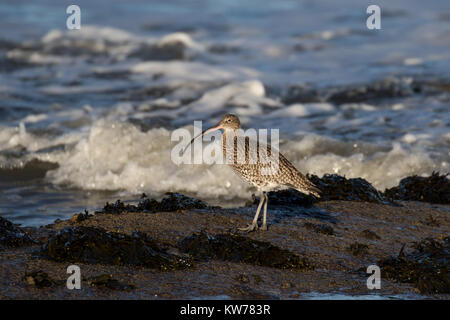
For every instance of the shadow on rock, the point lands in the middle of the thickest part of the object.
(291, 203)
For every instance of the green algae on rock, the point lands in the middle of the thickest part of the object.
(427, 267)
(433, 189)
(97, 246)
(235, 248)
(12, 236)
(173, 202)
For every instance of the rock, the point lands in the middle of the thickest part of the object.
(39, 279)
(97, 246)
(257, 278)
(358, 249)
(107, 281)
(235, 248)
(431, 221)
(12, 236)
(246, 292)
(433, 189)
(319, 228)
(243, 278)
(368, 234)
(427, 267)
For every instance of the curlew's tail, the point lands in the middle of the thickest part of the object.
(304, 185)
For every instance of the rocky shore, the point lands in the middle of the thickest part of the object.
(182, 248)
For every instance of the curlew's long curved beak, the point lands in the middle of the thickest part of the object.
(219, 126)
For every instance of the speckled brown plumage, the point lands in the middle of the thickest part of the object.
(245, 159)
(286, 175)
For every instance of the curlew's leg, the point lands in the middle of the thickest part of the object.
(254, 224)
(264, 225)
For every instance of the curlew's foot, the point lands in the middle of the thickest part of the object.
(249, 228)
(263, 227)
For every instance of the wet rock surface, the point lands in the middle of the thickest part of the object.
(358, 249)
(114, 250)
(95, 245)
(235, 248)
(369, 234)
(173, 202)
(12, 236)
(433, 189)
(427, 266)
(107, 281)
(319, 228)
(290, 203)
(39, 279)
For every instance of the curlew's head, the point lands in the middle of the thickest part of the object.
(228, 122)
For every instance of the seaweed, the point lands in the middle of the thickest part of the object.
(12, 236)
(39, 279)
(319, 228)
(79, 217)
(290, 197)
(433, 189)
(107, 281)
(97, 246)
(427, 267)
(235, 248)
(173, 202)
(336, 187)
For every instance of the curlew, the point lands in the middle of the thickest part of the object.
(256, 166)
